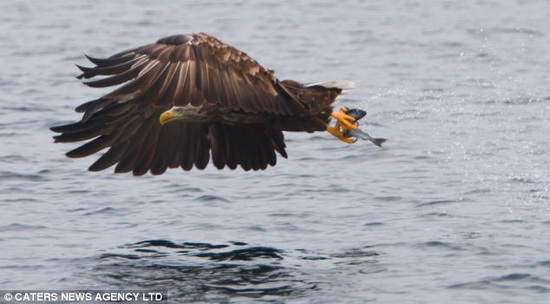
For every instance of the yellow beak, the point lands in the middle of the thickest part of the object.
(168, 116)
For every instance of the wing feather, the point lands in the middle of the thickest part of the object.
(178, 148)
(135, 148)
(190, 147)
(110, 70)
(216, 137)
(111, 61)
(112, 156)
(146, 156)
(203, 147)
(164, 149)
(178, 98)
(125, 76)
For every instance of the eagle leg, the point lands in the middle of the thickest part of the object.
(339, 131)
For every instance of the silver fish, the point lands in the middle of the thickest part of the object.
(364, 135)
(358, 133)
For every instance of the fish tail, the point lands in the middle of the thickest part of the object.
(378, 141)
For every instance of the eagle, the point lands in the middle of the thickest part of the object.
(186, 99)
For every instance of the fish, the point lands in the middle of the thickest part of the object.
(358, 133)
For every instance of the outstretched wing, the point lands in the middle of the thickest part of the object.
(193, 69)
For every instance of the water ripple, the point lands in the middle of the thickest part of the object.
(245, 272)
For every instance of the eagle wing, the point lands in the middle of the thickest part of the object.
(192, 69)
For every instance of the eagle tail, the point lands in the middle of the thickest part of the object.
(343, 84)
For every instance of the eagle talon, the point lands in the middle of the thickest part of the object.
(341, 133)
(342, 117)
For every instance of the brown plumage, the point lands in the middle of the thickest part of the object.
(236, 109)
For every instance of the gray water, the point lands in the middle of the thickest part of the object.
(455, 208)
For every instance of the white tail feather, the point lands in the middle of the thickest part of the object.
(343, 84)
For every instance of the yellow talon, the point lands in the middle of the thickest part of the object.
(342, 117)
(338, 131)
(347, 140)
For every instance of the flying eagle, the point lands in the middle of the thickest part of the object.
(188, 98)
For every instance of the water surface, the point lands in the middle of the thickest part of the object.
(455, 209)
